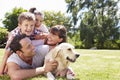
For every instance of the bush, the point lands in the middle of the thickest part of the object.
(74, 40)
(3, 37)
(109, 44)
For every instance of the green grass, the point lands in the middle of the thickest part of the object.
(91, 65)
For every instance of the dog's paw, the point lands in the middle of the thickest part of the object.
(70, 74)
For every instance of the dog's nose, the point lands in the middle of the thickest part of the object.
(77, 55)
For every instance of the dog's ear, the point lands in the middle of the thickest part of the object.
(57, 52)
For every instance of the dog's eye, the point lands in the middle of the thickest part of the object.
(69, 49)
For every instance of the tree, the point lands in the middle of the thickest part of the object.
(3, 36)
(98, 22)
(52, 18)
(11, 18)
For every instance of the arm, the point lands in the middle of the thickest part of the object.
(41, 35)
(6, 55)
(16, 73)
(4, 60)
(11, 35)
(43, 32)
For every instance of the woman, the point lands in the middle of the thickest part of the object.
(57, 35)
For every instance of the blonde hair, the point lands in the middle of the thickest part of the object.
(26, 16)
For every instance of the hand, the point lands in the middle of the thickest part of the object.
(50, 65)
(1, 72)
(41, 36)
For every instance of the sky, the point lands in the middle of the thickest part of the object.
(41, 5)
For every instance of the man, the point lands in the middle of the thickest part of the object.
(27, 61)
(56, 36)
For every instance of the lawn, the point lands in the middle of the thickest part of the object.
(91, 65)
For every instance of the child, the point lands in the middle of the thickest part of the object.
(40, 29)
(26, 22)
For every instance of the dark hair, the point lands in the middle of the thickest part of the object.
(15, 44)
(59, 30)
(32, 10)
(36, 12)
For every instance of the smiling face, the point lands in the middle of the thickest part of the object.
(27, 27)
(26, 22)
(53, 39)
(28, 50)
(39, 20)
(57, 35)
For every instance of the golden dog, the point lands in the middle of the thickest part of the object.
(64, 53)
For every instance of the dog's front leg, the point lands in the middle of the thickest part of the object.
(50, 76)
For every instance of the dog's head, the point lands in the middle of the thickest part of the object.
(67, 52)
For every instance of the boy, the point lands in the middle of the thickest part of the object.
(26, 22)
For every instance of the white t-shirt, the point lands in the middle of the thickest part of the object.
(38, 58)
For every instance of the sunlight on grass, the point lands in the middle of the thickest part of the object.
(99, 64)
(91, 65)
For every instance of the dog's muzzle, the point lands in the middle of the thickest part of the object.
(71, 60)
(77, 55)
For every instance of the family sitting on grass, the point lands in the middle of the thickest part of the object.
(27, 46)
